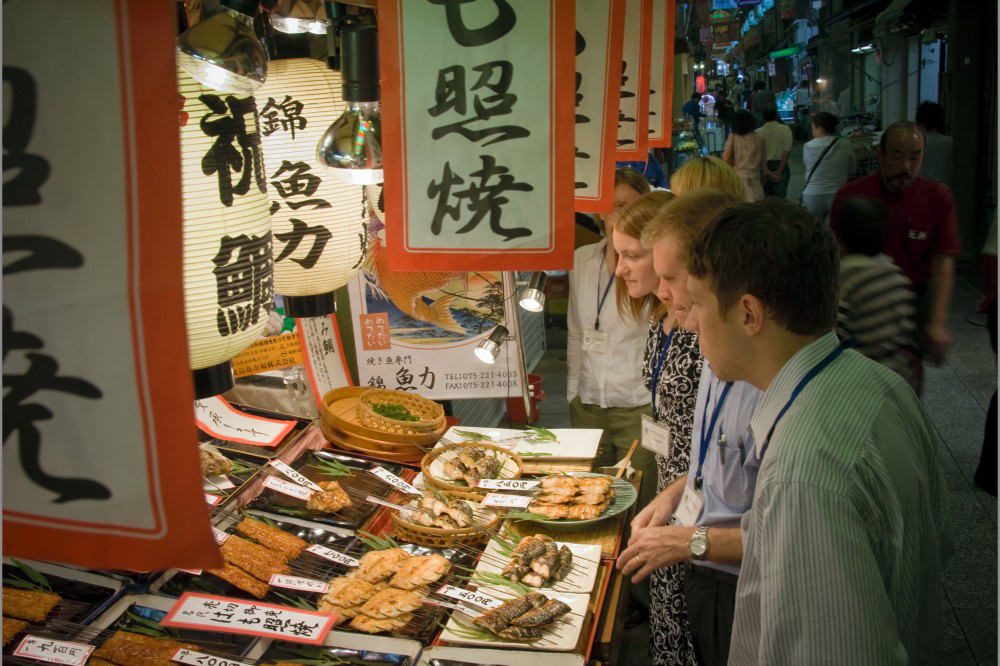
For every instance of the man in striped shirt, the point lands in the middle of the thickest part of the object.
(844, 546)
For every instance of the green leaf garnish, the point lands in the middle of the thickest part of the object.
(38, 579)
(539, 434)
(298, 602)
(532, 454)
(492, 579)
(376, 543)
(143, 625)
(474, 436)
(240, 468)
(331, 467)
(526, 515)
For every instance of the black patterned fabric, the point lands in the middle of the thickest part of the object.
(676, 395)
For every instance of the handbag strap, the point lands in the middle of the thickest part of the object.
(822, 155)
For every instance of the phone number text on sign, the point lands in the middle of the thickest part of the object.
(235, 616)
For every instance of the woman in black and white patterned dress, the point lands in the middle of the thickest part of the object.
(675, 397)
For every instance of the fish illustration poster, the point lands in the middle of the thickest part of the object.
(417, 331)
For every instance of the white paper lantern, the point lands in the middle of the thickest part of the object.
(317, 221)
(228, 265)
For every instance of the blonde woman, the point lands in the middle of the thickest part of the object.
(706, 172)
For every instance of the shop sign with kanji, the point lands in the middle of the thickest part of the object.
(477, 124)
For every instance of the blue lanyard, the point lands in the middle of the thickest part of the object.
(816, 369)
(659, 366)
(706, 435)
(601, 298)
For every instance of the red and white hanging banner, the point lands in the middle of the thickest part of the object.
(100, 466)
(633, 111)
(661, 73)
(477, 111)
(599, 28)
(323, 355)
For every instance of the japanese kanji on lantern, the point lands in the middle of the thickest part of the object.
(317, 222)
(599, 25)
(633, 112)
(661, 73)
(477, 130)
(228, 267)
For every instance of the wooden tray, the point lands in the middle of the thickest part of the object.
(373, 449)
(340, 412)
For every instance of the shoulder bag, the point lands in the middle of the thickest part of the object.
(815, 166)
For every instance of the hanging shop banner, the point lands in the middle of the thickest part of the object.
(100, 465)
(660, 60)
(599, 26)
(418, 331)
(668, 76)
(477, 110)
(633, 111)
(323, 355)
(316, 220)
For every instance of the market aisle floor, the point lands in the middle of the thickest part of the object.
(956, 396)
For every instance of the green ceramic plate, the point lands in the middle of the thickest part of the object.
(625, 496)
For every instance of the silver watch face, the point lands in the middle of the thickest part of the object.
(699, 544)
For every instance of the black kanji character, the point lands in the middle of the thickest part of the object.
(483, 198)
(298, 183)
(363, 242)
(292, 239)
(426, 375)
(243, 278)
(28, 172)
(222, 157)
(376, 382)
(465, 36)
(43, 252)
(449, 93)
(495, 77)
(290, 119)
(404, 380)
(625, 93)
(20, 417)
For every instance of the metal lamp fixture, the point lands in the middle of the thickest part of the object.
(533, 295)
(223, 52)
(352, 146)
(295, 17)
(488, 350)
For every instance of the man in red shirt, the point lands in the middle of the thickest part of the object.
(922, 233)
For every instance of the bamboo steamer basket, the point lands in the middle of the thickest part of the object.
(462, 491)
(430, 415)
(437, 537)
(340, 413)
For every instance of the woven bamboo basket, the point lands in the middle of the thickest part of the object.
(430, 415)
(437, 537)
(463, 491)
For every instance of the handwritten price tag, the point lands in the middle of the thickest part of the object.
(53, 651)
(287, 487)
(186, 656)
(302, 584)
(509, 501)
(294, 475)
(333, 556)
(207, 612)
(508, 484)
(478, 598)
(212, 500)
(394, 480)
(220, 536)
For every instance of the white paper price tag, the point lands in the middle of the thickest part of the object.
(510, 501)
(220, 536)
(508, 484)
(185, 656)
(480, 599)
(302, 584)
(333, 556)
(287, 487)
(394, 480)
(294, 475)
(212, 500)
(207, 612)
(53, 651)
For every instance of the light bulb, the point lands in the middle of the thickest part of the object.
(291, 25)
(488, 350)
(223, 52)
(352, 145)
(533, 295)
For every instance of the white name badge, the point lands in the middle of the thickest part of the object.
(689, 508)
(656, 436)
(595, 341)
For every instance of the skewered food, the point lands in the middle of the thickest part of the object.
(570, 511)
(391, 602)
(420, 570)
(131, 649)
(12, 628)
(331, 499)
(472, 464)
(378, 565)
(538, 561)
(346, 591)
(256, 560)
(241, 579)
(287, 544)
(432, 510)
(373, 625)
(573, 497)
(545, 614)
(31, 605)
(213, 463)
(523, 618)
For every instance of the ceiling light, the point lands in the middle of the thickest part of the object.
(533, 295)
(223, 52)
(489, 349)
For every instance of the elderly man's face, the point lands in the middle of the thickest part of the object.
(900, 161)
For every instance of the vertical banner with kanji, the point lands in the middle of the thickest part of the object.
(477, 128)
(661, 74)
(100, 464)
(599, 28)
(323, 355)
(633, 111)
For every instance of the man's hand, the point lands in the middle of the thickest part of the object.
(937, 343)
(657, 512)
(653, 548)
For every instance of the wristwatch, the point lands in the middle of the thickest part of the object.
(699, 543)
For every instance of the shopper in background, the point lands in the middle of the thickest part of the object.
(745, 152)
(651, 169)
(671, 367)
(877, 307)
(846, 542)
(724, 109)
(923, 229)
(828, 162)
(706, 171)
(762, 99)
(938, 163)
(606, 331)
(692, 109)
(777, 147)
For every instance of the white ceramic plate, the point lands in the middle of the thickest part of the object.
(571, 443)
(586, 561)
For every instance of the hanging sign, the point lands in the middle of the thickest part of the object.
(316, 220)
(661, 74)
(599, 26)
(633, 111)
(207, 612)
(477, 125)
(98, 466)
(323, 355)
(271, 353)
(216, 417)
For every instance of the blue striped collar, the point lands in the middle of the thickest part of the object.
(784, 383)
